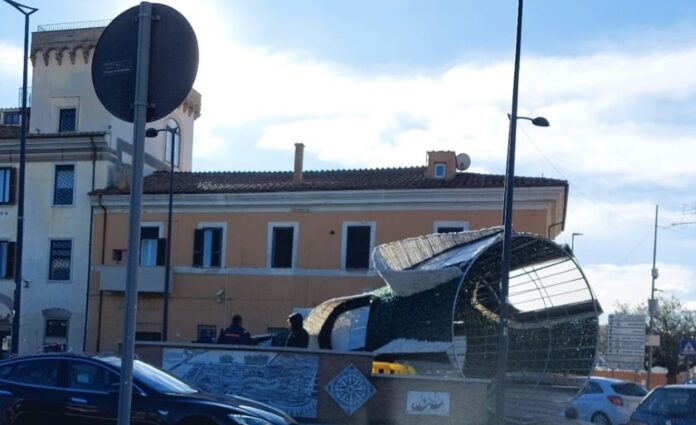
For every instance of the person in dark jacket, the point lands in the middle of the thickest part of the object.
(235, 334)
(298, 336)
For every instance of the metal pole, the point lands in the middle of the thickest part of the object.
(651, 307)
(16, 304)
(131, 296)
(167, 261)
(507, 235)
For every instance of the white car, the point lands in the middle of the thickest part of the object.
(608, 401)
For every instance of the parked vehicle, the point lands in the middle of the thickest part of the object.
(608, 401)
(671, 404)
(68, 389)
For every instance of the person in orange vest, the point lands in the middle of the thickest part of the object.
(235, 334)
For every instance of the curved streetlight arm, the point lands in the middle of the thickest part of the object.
(538, 121)
(23, 9)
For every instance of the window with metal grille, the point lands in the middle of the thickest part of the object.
(61, 253)
(206, 333)
(207, 247)
(357, 251)
(67, 120)
(282, 247)
(7, 184)
(64, 185)
(57, 328)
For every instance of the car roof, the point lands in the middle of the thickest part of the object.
(610, 380)
(678, 386)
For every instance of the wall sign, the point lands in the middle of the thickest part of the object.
(427, 403)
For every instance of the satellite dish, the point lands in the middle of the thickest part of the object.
(463, 161)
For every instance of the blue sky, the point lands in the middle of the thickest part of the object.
(378, 83)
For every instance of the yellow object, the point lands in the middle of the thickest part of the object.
(386, 368)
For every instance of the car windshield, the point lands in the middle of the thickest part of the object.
(154, 378)
(629, 389)
(675, 402)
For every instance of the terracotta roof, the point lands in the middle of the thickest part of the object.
(330, 180)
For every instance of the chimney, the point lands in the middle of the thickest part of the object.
(299, 156)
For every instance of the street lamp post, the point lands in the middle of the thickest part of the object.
(152, 132)
(503, 331)
(16, 304)
(651, 304)
(572, 241)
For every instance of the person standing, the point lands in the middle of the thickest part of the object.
(235, 334)
(298, 337)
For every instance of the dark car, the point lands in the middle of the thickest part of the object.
(66, 389)
(671, 405)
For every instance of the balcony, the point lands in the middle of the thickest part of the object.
(113, 278)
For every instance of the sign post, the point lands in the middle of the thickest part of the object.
(626, 341)
(141, 76)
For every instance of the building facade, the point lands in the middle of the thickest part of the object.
(74, 147)
(263, 244)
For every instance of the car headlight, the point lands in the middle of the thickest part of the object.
(248, 420)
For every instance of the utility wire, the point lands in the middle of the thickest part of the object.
(669, 228)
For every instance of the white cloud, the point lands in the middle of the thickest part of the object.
(601, 114)
(631, 284)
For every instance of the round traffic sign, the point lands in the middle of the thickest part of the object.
(173, 63)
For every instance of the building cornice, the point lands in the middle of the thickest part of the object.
(59, 147)
(529, 198)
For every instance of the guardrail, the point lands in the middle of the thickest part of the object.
(73, 25)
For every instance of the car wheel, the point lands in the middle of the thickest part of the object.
(601, 419)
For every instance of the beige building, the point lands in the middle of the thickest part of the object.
(74, 147)
(261, 244)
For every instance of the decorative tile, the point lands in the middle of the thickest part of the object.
(350, 389)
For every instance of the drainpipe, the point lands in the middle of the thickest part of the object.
(101, 293)
(89, 245)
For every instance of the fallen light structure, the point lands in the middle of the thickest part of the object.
(439, 313)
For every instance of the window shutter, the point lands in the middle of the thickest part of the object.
(13, 186)
(215, 255)
(161, 251)
(11, 255)
(198, 248)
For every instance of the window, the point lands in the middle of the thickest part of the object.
(12, 117)
(282, 246)
(206, 333)
(357, 245)
(56, 328)
(152, 247)
(207, 247)
(7, 259)
(450, 226)
(61, 253)
(173, 138)
(67, 120)
(42, 372)
(148, 336)
(440, 170)
(7, 186)
(90, 377)
(64, 185)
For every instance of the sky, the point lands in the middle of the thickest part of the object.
(377, 83)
